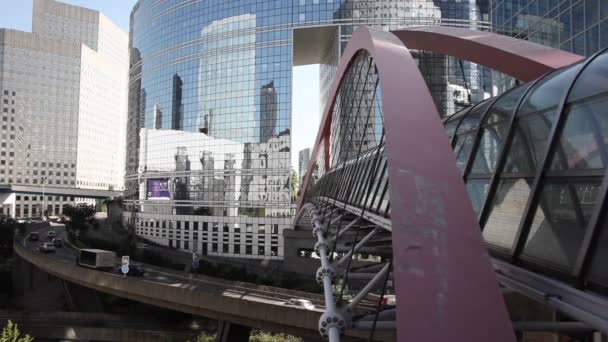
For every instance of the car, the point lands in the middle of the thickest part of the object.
(33, 236)
(20, 221)
(51, 234)
(47, 247)
(57, 242)
(303, 303)
(135, 270)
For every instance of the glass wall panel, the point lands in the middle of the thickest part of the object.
(593, 80)
(463, 148)
(503, 107)
(529, 142)
(492, 138)
(473, 118)
(582, 144)
(478, 189)
(507, 209)
(560, 222)
(548, 92)
(598, 271)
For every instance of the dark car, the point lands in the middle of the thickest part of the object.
(135, 270)
(34, 236)
(57, 242)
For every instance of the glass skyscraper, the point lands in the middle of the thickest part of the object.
(209, 129)
(578, 26)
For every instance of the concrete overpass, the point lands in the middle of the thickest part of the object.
(240, 304)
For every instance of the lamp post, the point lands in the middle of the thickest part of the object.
(43, 197)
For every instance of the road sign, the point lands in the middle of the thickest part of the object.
(195, 264)
(196, 257)
(125, 269)
(125, 260)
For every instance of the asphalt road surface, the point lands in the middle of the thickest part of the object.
(173, 278)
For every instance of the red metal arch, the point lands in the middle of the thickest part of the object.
(521, 59)
(445, 285)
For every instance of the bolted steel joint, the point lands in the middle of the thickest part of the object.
(331, 319)
(319, 245)
(323, 272)
(319, 229)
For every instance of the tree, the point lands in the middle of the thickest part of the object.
(79, 215)
(131, 239)
(11, 333)
(203, 337)
(295, 183)
(262, 336)
(7, 233)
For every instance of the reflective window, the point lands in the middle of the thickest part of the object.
(582, 143)
(560, 222)
(548, 92)
(478, 189)
(506, 212)
(529, 142)
(598, 272)
(462, 149)
(593, 80)
(489, 147)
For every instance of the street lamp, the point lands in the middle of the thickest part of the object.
(43, 180)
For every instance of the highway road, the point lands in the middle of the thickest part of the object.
(182, 279)
(261, 307)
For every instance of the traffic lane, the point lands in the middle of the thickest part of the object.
(234, 291)
(166, 277)
(64, 253)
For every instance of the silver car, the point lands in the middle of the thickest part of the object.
(47, 247)
(303, 303)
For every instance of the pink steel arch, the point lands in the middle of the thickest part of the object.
(521, 59)
(446, 288)
(445, 285)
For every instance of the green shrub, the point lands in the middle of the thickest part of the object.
(11, 333)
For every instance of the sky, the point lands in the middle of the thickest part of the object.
(17, 14)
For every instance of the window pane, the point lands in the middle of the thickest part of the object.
(579, 147)
(598, 272)
(549, 91)
(593, 80)
(507, 209)
(503, 108)
(529, 142)
(473, 117)
(490, 144)
(462, 149)
(560, 221)
(478, 189)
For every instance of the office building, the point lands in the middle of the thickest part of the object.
(580, 27)
(222, 69)
(63, 109)
(303, 159)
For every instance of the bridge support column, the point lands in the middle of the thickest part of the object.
(231, 332)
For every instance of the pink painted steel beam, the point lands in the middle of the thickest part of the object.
(445, 285)
(521, 59)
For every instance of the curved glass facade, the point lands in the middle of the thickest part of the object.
(209, 131)
(535, 163)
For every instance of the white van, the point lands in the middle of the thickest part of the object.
(97, 259)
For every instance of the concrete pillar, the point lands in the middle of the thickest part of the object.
(230, 332)
(599, 337)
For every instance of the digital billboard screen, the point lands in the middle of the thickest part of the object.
(158, 188)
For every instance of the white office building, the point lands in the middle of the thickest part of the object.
(63, 93)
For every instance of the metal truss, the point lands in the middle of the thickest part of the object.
(338, 231)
